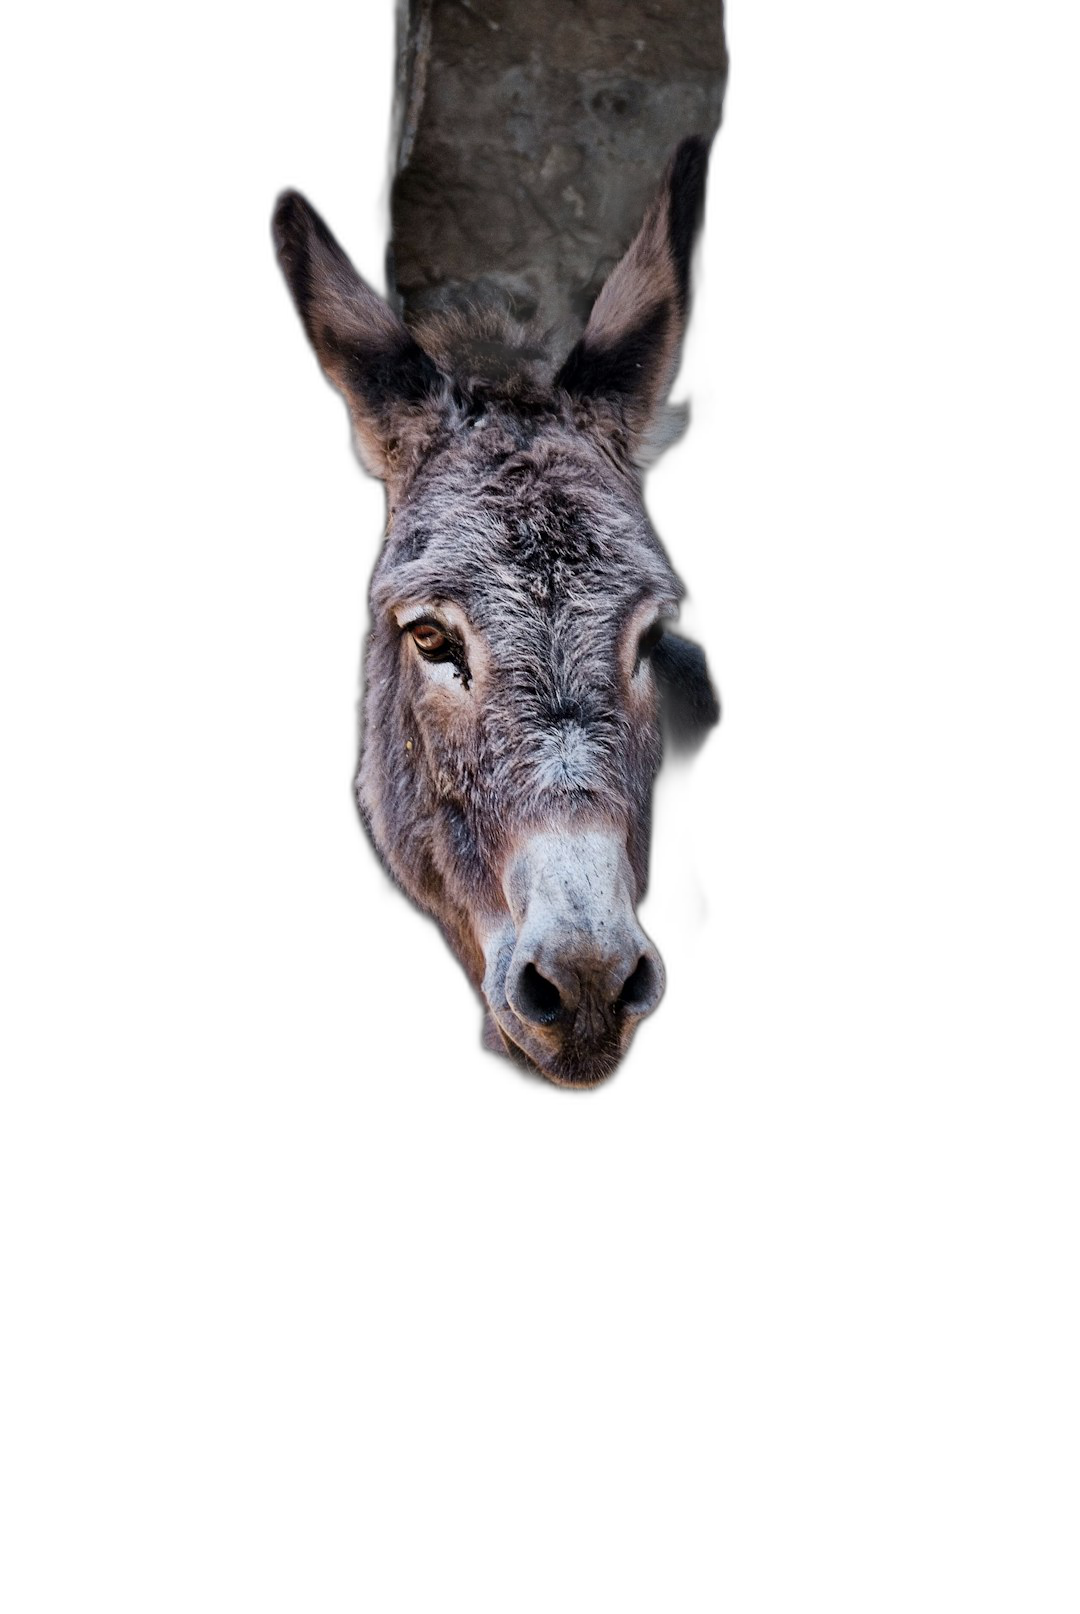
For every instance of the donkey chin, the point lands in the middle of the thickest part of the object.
(569, 972)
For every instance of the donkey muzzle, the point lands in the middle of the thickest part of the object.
(572, 974)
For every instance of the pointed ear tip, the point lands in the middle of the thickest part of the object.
(690, 164)
(292, 213)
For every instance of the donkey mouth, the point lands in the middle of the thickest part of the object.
(572, 1065)
(568, 1062)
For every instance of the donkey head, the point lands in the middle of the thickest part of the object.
(520, 668)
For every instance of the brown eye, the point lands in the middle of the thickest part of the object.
(428, 638)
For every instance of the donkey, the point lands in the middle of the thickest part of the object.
(521, 670)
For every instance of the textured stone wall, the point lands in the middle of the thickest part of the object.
(530, 138)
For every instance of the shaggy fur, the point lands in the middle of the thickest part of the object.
(516, 522)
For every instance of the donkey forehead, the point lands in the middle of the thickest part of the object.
(549, 532)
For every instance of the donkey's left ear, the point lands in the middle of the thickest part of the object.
(629, 352)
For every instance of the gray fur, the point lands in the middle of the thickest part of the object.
(516, 524)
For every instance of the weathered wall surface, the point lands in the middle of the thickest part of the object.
(531, 137)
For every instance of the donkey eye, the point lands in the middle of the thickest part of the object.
(429, 640)
(649, 640)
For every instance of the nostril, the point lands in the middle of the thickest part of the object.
(537, 997)
(639, 988)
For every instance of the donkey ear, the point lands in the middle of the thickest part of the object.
(362, 345)
(689, 706)
(630, 348)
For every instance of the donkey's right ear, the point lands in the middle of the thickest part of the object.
(362, 345)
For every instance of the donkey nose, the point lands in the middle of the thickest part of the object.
(582, 972)
(566, 978)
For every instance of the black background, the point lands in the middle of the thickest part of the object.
(346, 999)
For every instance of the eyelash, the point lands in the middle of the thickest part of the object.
(451, 649)
(441, 653)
